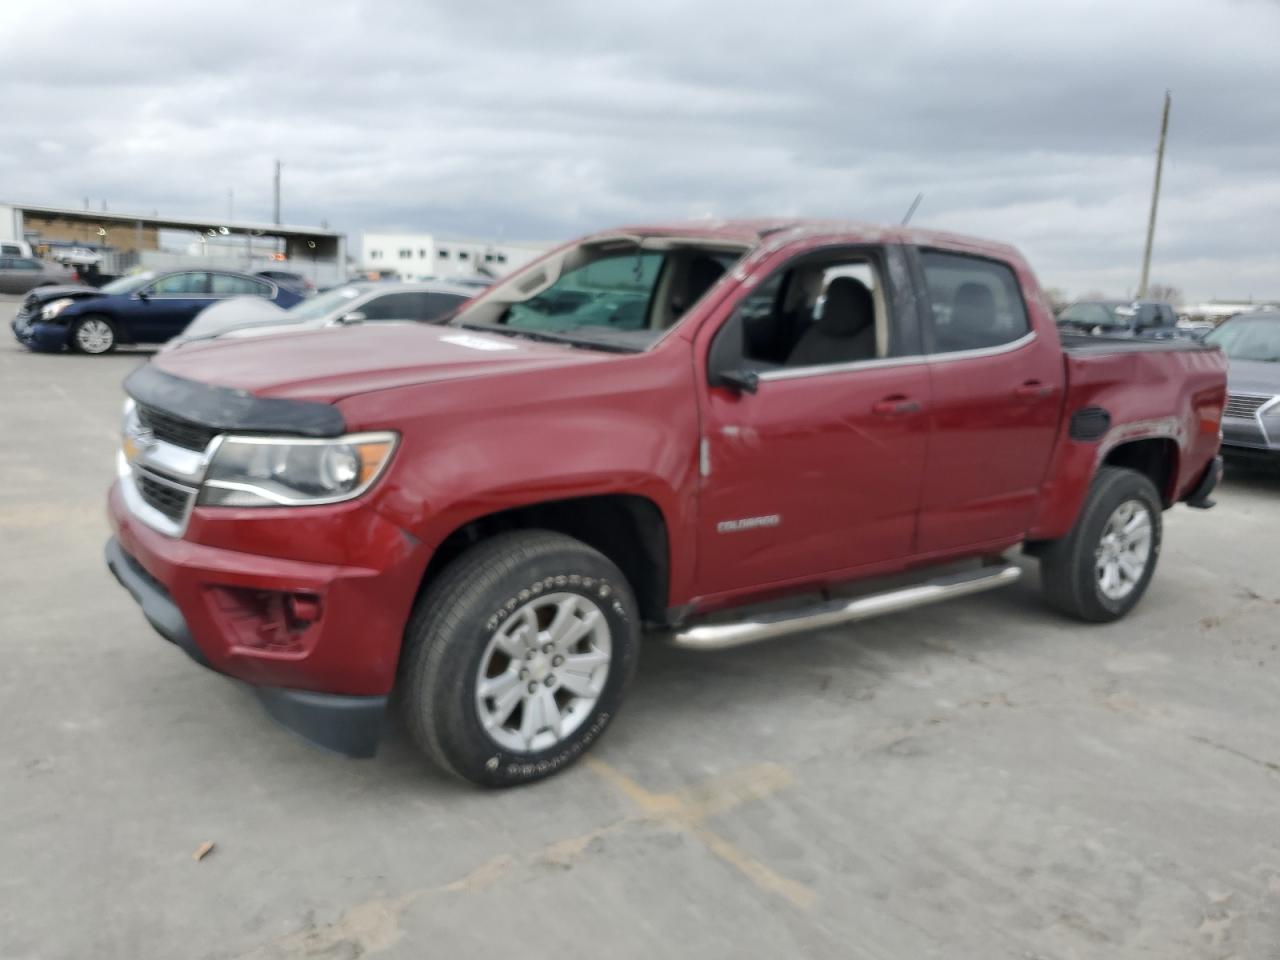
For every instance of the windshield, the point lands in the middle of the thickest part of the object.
(129, 284)
(1249, 338)
(1093, 315)
(623, 296)
(323, 304)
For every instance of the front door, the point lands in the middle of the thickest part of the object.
(997, 389)
(163, 310)
(819, 470)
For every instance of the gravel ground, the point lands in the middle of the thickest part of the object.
(981, 779)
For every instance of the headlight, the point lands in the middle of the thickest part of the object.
(129, 429)
(288, 471)
(55, 307)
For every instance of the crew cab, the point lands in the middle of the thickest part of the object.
(648, 432)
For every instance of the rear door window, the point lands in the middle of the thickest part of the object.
(229, 285)
(975, 303)
(395, 306)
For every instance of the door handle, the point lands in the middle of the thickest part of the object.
(1032, 390)
(895, 406)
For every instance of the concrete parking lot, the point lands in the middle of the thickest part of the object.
(982, 779)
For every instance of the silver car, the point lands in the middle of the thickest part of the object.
(20, 274)
(360, 302)
(1251, 420)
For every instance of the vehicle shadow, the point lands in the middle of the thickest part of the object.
(679, 689)
(1250, 477)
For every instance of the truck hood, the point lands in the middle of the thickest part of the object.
(1253, 376)
(334, 362)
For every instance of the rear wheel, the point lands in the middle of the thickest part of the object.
(517, 657)
(1100, 570)
(93, 334)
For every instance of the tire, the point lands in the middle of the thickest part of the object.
(481, 606)
(93, 334)
(1073, 570)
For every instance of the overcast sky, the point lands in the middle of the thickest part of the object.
(1029, 122)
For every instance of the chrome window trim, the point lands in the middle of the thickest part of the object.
(883, 362)
(995, 351)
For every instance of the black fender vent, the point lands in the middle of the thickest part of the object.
(1090, 423)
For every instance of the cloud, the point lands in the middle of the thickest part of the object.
(1031, 123)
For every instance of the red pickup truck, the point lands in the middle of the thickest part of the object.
(650, 430)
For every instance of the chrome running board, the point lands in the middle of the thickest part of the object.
(835, 612)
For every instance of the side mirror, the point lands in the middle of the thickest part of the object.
(740, 381)
(355, 316)
(144, 295)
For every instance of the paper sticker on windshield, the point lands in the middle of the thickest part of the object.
(477, 343)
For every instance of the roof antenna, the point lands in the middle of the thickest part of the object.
(912, 209)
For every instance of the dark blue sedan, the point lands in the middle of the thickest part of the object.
(143, 308)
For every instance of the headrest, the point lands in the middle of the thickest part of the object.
(848, 308)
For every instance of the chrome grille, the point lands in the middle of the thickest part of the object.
(1244, 406)
(170, 499)
(175, 430)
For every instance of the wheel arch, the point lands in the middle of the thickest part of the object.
(629, 529)
(1156, 458)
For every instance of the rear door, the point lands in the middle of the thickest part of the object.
(818, 471)
(223, 286)
(997, 390)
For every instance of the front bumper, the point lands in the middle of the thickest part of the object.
(318, 641)
(347, 725)
(40, 336)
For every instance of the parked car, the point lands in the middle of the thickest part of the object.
(1251, 421)
(648, 430)
(75, 256)
(143, 308)
(1152, 319)
(15, 248)
(287, 278)
(20, 274)
(353, 303)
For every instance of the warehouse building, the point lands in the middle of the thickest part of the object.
(135, 241)
(423, 256)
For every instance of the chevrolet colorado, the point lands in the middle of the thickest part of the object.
(649, 430)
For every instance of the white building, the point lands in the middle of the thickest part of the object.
(421, 256)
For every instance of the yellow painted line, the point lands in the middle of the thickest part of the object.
(688, 809)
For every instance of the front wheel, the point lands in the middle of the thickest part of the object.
(1100, 570)
(93, 335)
(517, 657)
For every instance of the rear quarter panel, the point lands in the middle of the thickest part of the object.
(1176, 395)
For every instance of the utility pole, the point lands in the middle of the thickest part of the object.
(1155, 200)
(276, 219)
